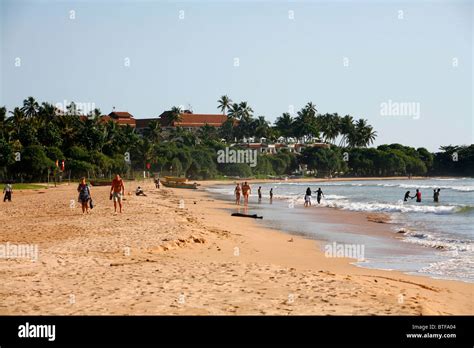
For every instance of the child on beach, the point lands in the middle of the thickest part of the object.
(84, 195)
(8, 190)
(139, 192)
(117, 191)
(237, 194)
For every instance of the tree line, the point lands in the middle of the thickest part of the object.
(34, 137)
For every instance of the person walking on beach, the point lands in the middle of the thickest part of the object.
(259, 194)
(237, 194)
(436, 195)
(307, 198)
(418, 196)
(8, 191)
(84, 195)
(319, 194)
(271, 194)
(117, 191)
(246, 190)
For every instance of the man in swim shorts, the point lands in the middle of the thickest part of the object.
(117, 191)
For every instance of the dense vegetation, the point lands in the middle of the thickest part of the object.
(90, 147)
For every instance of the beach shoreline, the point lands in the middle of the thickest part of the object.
(186, 255)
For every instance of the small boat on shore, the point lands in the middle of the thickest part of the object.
(174, 182)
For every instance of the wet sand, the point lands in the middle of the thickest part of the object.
(180, 252)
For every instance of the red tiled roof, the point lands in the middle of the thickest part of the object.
(120, 114)
(144, 122)
(121, 118)
(199, 120)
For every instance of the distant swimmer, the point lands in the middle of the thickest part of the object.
(259, 193)
(407, 195)
(237, 194)
(436, 195)
(319, 194)
(246, 190)
(307, 197)
(418, 196)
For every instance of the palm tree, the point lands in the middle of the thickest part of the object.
(306, 123)
(153, 132)
(261, 127)
(311, 108)
(18, 118)
(284, 124)
(234, 111)
(30, 107)
(246, 110)
(361, 135)
(175, 115)
(224, 103)
(46, 114)
(346, 126)
(329, 124)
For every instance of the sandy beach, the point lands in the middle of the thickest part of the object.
(179, 252)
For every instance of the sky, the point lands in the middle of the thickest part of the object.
(406, 67)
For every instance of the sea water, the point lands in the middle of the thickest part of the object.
(438, 238)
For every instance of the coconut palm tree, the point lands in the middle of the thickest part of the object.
(311, 108)
(153, 131)
(46, 114)
(17, 119)
(306, 124)
(175, 115)
(246, 110)
(261, 127)
(234, 111)
(30, 107)
(346, 126)
(329, 124)
(224, 104)
(284, 124)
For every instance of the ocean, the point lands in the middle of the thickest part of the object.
(438, 238)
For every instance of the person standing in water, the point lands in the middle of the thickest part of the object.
(319, 194)
(237, 194)
(436, 195)
(259, 194)
(117, 191)
(246, 190)
(407, 195)
(307, 198)
(84, 195)
(418, 196)
(271, 194)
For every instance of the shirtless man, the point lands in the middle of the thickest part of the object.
(246, 192)
(237, 194)
(117, 191)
